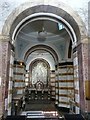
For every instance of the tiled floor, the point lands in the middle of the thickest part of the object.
(41, 108)
(40, 105)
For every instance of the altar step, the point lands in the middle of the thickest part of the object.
(36, 115)
(41, 114)
(24, 118)
(73, 117)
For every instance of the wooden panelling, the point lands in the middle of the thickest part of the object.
(66, 81)
(56, 87)
(56, 81)
(53, 82)
(62, 74)
(67, 88)
(19, 80)
(19, 66)
(69, 66)
(66, 95)
(63, 102)
(19, 88)
(16, 73)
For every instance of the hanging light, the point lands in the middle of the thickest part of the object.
(42, 35)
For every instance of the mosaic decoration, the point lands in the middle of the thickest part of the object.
(39, 72)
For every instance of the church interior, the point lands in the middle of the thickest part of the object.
(45, 73)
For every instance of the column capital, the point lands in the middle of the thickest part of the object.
(85, 39)
(4, 38)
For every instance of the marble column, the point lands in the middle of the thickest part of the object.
(83, 75)
(56, 86)
(27, 79)
(66, 84)
(1, 97)
(10, 85)
(19, 77)
(87, 83)
(4, 76)
(52, 81)
(76, 102)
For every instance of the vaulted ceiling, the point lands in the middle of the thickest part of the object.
(43, 32)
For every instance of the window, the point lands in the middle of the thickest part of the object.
(60, 26)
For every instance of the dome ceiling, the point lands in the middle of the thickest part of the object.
(43, 32)
(42, 28)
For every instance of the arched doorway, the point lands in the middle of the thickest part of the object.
(58, 14)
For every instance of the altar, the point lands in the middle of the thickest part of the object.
(39, 91)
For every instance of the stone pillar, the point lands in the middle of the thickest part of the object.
(4, 73)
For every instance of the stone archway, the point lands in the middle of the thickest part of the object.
(68, 17)
(58, 8)
(42, 47)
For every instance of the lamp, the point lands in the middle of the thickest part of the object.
(42, 35)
